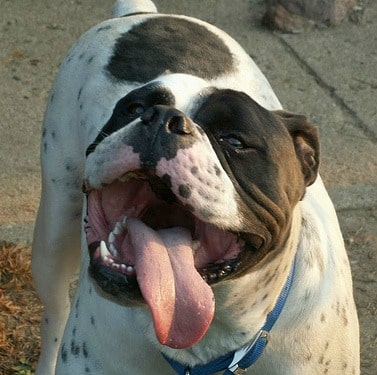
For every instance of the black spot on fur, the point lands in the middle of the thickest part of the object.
(87, 370)
(184, 191)
(206, 213)
(64, 353)
(75, 349)
(46, 320)
(92, 320)
(194, 170)
(167, 44)
(85, 350)
(90, 59)
(217, 170)
(79, 94)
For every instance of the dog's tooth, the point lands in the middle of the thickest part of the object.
(124, 221)
(116, 266)
(111, 261)
(111, 237)
(221, 273)
(130, 268)
(118, 228)
(227, 268)
(104, 250)
(113, 250)
(123, 267)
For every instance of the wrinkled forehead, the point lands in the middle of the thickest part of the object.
(182, 91)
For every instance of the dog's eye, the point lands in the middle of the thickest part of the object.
(232, 141)
(136, 109)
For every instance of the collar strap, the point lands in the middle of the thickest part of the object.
(238, 361)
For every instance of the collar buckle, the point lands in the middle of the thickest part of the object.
(240, 354)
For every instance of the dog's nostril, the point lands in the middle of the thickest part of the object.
(179, 125)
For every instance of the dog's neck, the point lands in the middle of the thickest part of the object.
(242, 305)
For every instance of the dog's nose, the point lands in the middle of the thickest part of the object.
(173, 120)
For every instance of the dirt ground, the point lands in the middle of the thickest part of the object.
(20, 310)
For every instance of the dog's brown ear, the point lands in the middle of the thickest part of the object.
(306, 142)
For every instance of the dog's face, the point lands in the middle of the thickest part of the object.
(183, 196)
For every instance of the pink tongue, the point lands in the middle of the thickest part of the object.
(182, 304)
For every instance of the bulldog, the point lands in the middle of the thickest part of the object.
(208, 241)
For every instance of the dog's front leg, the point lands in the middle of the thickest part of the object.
(56, 249)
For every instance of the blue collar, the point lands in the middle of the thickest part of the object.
(238, 361)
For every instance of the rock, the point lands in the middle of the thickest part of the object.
(293, 15)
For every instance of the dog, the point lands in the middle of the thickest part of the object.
(209, 243)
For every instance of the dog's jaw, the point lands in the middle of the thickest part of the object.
(146, 246)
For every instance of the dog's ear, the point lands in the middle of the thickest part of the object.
(306, 142)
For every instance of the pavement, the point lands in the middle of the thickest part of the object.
(326, 73)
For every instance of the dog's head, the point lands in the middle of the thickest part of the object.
(186, 194)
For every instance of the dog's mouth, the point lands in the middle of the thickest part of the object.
(145, 245)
